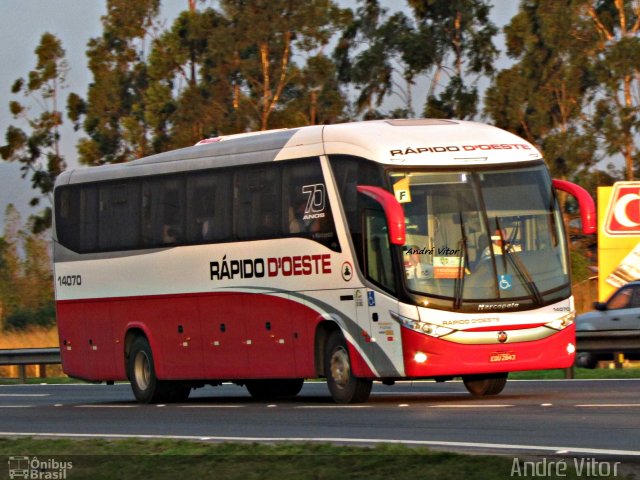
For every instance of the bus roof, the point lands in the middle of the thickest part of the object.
(410, 142)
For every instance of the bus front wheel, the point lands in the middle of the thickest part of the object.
(343, 385)
(482, 385)
(144, 383)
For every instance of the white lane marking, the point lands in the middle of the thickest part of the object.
(25, 394)
(333, 406)
(106, 406)
(373, 441)
(212, 406)
(418, 394)
(609, 405)
(470, 406)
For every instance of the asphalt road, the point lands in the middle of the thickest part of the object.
(575, 417)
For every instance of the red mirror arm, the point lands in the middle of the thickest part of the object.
(392, 210)
(586, 203)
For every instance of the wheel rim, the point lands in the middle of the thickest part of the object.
(142, 370)
(340, 367)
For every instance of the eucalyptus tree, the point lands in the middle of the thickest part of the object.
(113, 112)
(544, 95)
(26, 279)
(441, 47)
(617, 67)
(191, 92)
(270, 42)
(35, 142)
(242, 66)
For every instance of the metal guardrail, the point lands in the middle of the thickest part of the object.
(29, 356)
(608, 341)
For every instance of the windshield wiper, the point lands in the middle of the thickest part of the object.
(464, 261)
(518, 265)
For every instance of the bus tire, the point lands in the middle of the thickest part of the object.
(586, 360)
(343, 385)
(265, 389)
(483, 385)
(142, 374)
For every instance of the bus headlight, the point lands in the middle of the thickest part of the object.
(430, 329)
(562, 322)
(420, 357)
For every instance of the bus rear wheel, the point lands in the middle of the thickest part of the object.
(268, 388)
(343, 385)
(483, 385)
(142, 374)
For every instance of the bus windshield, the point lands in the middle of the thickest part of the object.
(482, 235)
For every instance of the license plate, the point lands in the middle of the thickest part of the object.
(502, 357)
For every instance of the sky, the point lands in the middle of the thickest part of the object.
(74, 22)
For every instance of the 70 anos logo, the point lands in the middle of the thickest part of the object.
(315, 201)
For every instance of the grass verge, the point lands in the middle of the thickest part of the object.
(579, 373)
(134, 459)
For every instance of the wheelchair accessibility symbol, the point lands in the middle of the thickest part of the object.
(504, 282)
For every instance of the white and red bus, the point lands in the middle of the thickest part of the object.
(360, 252)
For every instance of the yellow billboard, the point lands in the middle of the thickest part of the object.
(618, 236)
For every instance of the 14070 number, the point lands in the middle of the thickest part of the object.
(69, 280)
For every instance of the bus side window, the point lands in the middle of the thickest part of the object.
(378, 263)
(209, 207)
(349, 172)
(76, 218)
(88, 227)
(162, 211)
(257, 203)
(119, 216)
(67, 217)
(307, 211)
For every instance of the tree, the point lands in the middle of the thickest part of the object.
(371, 70)
(232, 69)
(191, 92)
(544, 95)
(617, 109)
(448, 43)
(463, 44)
(264, 34)
(9, 264)
(315, 98)
(26, 283)
(113, 114)
(38, 148)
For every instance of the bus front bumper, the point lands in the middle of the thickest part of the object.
(426, 356)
